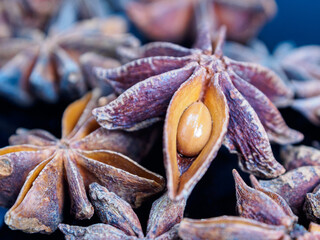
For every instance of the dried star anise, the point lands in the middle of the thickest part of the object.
(299, 65)
(296, 157)
(299, 156)
(223, 98)
(40, 164)
(262, 205)
(47, 67)
(167, 20)
(121, 222)
(294, 185)
(263, 215)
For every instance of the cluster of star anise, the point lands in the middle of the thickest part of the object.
(206, 98)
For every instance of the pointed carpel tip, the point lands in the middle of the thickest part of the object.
(240, 184)
(235, 173)
(254, 182)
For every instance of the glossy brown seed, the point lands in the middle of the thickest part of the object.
(194, 129)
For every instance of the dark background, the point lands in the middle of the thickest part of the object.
(214, 195)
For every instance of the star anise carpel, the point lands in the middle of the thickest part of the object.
(263, 214)
(41, 169)
(119, 221)
(228, 99)
(298, 68)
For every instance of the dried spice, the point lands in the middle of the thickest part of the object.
(47, 67)
(294, 185)
(262, 205)
(120, 221)
(263, 215)
(312, 205)
(299, 156)
(241, 114)
(300, 65)
(167, 20)
(227, 227)
(39, 164)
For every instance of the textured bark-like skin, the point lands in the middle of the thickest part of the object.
(275, 197)
(312, 205)
(94, 232)
(43, 168)
(257, 205)
(310, 108)
(268, 114)
(168, 21)
(164, 217)
(226, 227)
(247, 136)
(199, 74)
(112, 210)
(271, 86)
(299, 156)
(120, 220)
(48, 67)
(294, 185)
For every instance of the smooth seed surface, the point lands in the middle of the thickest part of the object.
(194, 129)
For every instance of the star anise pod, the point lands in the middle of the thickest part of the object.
(47, 67)
(44, 168)
(296, 157)
(222, 98)
(294, 185)
(120, 221)
(263, 215)
(167, 20)
(299, 65)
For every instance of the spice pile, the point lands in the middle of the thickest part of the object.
(143, 122)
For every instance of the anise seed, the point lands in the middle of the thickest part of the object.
(194, 129)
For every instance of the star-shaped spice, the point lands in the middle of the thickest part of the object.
(167, 20)
(208, 98)
(45, 168)
(121, 222)
(48, 67)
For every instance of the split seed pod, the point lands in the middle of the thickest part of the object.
(202, 92)
(43, 169)
(196, 121)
